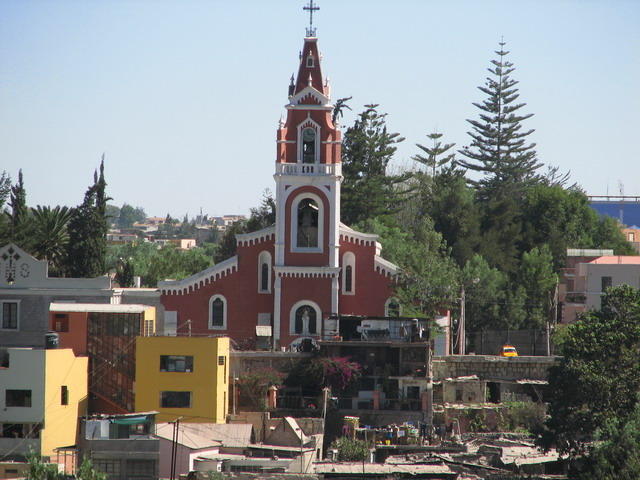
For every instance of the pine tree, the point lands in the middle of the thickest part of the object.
(88, 231)
(368, 190)
(498, 149)
(434, 158)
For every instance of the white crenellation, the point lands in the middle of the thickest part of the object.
(306, 272)
(200, 279)
(384, 267)
(254, 238)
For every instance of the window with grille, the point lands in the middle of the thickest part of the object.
(9, 314)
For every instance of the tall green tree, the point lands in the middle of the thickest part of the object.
(50, 235)
(616, 455)
(88, 228)
(5, 188)
(19, 216)
(265, 215)
(539, 280)
(368, 189)
(127, 216)
(437, 155)
(499, 150)
(598, 378)
(486, 293)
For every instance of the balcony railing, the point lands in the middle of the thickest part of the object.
(308, 169)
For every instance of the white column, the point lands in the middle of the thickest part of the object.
(276, 310)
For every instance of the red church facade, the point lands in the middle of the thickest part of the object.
(295, 274)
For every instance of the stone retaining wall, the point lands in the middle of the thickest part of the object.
(493, 367)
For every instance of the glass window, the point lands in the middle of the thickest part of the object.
(140, 468)
(305, 321)
(606, 283)
(64, 395)
(111, 468)
(348, 278)
(10, 315)
(176, 363)
(264, 277)
(18, 398)
(217, 313)
(175, 399)
(307, 223)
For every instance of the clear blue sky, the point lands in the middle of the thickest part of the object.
(184, 96)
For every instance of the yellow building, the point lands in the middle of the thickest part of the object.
(42, 394)
(183, 377)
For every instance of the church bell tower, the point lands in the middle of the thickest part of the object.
(308, 174)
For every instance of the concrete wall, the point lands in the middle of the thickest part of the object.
(207, 382)
(33, 313)
(489, 367)
(63, 368)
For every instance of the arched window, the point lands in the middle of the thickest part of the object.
(349, 271)
(310, 61)
(264, 272)
(392, 308)
(304, 318)
(307, 224)
(305, 322)
(217, 313)
(308, 145)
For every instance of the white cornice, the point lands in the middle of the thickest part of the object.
(359, 238)
(384, 267)
(307, 272)
(200, 279)
(296, 100)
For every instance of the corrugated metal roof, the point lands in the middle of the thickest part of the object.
(97, 308)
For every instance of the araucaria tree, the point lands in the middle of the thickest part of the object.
(88, 231)
(499, 148)
(507, 163)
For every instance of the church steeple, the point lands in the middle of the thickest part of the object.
(310, 67)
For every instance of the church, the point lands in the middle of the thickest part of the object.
(288, 281)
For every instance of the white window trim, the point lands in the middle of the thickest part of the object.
(264, 257)
(349, 260)
(389, 301)
(308, 123)
(292, 318)
(294, 224)
(2, 302)
(224, 313)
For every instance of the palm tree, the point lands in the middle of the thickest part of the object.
(51, 235)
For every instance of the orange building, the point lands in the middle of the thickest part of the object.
(106, 334)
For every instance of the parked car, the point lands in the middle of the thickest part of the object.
(508, 351)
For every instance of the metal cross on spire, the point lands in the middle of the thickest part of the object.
(311, 32)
